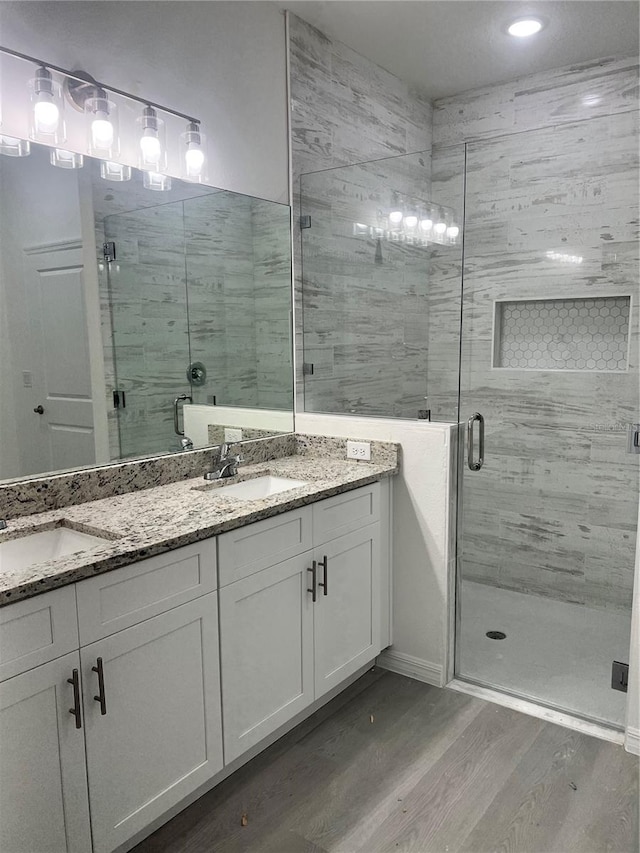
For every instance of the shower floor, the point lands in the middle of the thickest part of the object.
(554, 652)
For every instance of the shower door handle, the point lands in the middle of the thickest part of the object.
(475, 465)
(176, 422)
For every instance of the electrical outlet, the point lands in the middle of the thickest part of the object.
(358, 450)
(232, 434)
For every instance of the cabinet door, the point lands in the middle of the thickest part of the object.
(347, 612)
(43, 781)
(266, 650)
(160, 736)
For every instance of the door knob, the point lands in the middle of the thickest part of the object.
(39, 410)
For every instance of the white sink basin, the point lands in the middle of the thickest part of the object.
(259, 487)
(43, 546)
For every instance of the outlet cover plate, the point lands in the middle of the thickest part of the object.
(358, 450)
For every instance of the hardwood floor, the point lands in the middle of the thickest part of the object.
(435, 770)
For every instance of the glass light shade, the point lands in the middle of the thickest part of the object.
(452, 232)
(66, 159)
(47, 109)
(103, 138)
(156, 181)
(440, 227)
(13, 147)
(411, 220)
(114, 171)
(193, 148)
(152, 149)
(395, 217)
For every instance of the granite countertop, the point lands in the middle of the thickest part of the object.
(144, 523)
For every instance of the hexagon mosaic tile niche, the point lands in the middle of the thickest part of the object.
(563, 334)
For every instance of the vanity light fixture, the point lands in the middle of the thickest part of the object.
(100, 105)
(152, 147)
(47, 107)
(193, 152)
(102, 126)
(13, 147)
(525, 27)
(65, 159)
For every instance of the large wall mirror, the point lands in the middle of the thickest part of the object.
(136, 322)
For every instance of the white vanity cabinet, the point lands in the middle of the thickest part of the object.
(291, 631)
(147, 702)
(43, 781)
(114, 690)
(151, 688)
(152, 718)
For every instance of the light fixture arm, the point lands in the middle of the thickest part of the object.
(85, 82)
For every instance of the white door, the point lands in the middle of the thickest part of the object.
(43, 782)
(160, 736)
(266, 650)
(347, 612)
(59, 406)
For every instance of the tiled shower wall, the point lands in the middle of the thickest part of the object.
(347, 110)
(551, 176)
(234, 253)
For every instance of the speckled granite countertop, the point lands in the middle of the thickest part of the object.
(145, 523)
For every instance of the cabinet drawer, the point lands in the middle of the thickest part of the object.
(345, 513)
(116, 600)
(37, 630)
(257, 546)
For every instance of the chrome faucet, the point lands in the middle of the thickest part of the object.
(226, 465)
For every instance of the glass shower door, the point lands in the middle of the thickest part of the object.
(149, 328)
(549, 384)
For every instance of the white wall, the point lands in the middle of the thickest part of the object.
(197, 419)
(224, 62)
(423, 536)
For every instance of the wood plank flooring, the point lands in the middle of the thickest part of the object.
(435, 772)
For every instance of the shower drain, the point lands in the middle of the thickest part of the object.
(496, 635)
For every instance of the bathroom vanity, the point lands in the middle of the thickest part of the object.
(152, 666)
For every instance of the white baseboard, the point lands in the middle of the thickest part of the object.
(421, 670)
(632, 741)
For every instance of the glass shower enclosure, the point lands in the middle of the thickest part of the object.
(525, 333)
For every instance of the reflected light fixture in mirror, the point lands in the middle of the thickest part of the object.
(156, 181)
(111, 171)
(12, 147)
(65, 159)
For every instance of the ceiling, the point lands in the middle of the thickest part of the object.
(449, 46)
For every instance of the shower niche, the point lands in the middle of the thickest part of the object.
(574, 334)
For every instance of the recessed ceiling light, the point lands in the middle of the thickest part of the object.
(523, 27)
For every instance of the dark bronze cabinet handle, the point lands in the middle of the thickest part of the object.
(39, 410)
(313, 590)
(325, 582)
(100, 697)
(75, 681)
